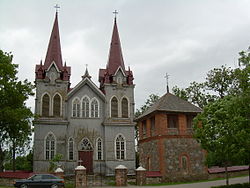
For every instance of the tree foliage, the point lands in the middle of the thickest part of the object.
(15, 117)
(149, 102)
(223, 128)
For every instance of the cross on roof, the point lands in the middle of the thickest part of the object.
(167, 78)
(115, 13)
(56, 7)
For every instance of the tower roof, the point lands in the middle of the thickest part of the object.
(171, 103)
(115, 59)
(54, 48)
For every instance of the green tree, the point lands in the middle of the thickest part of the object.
(223, 128)
(219, 131)
(15, 117)
(55, 162)
(195, 93)
(22, 163)
(220, 81)
(149, 102)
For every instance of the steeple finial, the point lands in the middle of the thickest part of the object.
(56, 7)
(115, 13)
(167, 78)
(86, 74)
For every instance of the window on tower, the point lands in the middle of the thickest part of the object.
(124, 108)
(76, 108)
(114, 107)
(172, 121)
(71, 149)
(57, 105)
(120, 147)
(50, 146)
(45, 105)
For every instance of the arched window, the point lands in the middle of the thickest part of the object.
(76, 108)
(114, 107)
(86, 145)
(94, 108)
(124, 108)
(71, 149)
(85, 107)
(50, 146)
(120, 147)
(57, 105)
(99, 148)
(45, 105)
(184, 162)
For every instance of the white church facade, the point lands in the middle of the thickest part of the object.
(89, 125)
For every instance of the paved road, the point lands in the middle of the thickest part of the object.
(202, 184)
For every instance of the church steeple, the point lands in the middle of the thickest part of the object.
(54, 48)
(115, 60)
(115, 53)
(54, 54)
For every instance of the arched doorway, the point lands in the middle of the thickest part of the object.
(85, 155)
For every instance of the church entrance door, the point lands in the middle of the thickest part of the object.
(86, 159)
(85, 155)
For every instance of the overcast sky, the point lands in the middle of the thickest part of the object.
(183, 38)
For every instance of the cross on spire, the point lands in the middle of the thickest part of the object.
(115, 13)
(167, 78)
(56, 7)
(80, 162)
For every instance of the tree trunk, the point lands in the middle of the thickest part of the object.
(227, 179)
(14, 156)
(1, 159)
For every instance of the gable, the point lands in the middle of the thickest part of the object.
(86, 84)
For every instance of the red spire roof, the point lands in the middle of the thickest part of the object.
(114, 62)
(115, 53)
(54, 48)
(54, 54)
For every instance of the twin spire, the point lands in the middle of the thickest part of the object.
(54, 54)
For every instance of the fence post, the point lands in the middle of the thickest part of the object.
(59, 173)
(80, 177)
(140, 176)
(121, 175)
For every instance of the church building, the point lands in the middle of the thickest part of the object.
(166, 145)
(88, 125)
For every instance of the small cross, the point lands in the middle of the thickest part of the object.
(80, 161)
(56, 7)
(115, 13)
(167, 78)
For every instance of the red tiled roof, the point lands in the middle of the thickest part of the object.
(215, 170)
(17, 174)
(153, 174)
